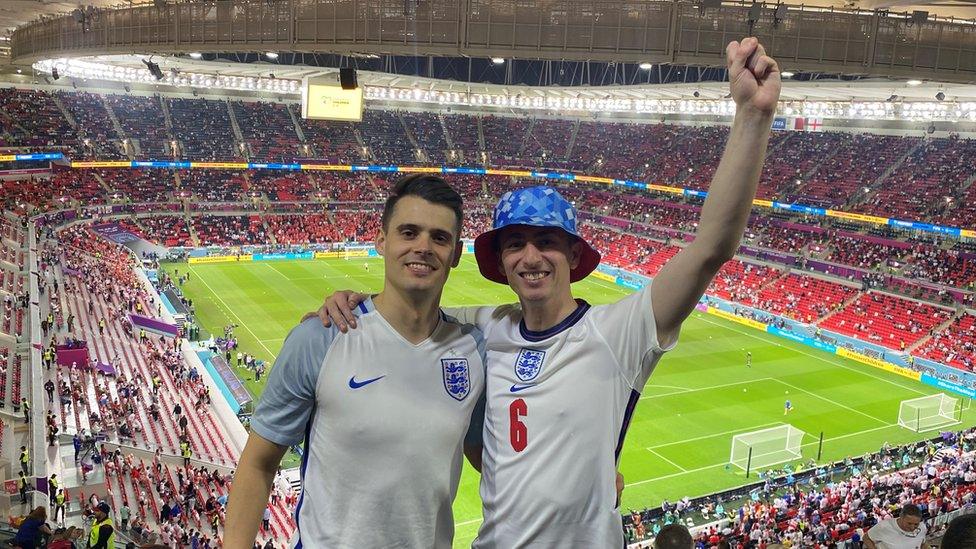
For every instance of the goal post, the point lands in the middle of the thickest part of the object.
(929, 413)
(766, 447)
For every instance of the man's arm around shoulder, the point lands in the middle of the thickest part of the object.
(249, 493)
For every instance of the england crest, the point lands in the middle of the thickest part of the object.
(457, 380)
(528, 364)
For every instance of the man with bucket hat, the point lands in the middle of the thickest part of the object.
(563, 377)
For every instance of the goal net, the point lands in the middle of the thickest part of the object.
(930, 412)
(766, 447)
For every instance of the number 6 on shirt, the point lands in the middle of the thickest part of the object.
(518, 432)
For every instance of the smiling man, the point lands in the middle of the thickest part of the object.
(383, 411)
(564, 377)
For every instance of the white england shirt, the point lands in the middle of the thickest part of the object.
(558, 406)
(383, 421)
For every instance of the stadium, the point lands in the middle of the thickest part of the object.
(183, 180)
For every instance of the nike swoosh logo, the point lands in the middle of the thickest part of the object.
(353, 384)
(517, 388)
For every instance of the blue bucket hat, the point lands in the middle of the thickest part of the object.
(540, 206)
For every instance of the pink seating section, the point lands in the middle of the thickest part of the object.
(955, 346)
(804, 298)
(887, 320)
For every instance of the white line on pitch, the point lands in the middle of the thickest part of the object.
(772, 340)
(667, 460)
(231, 311)
(708, 388)
(713, 435)
(275, 269)
(723, 464)
(834, 402)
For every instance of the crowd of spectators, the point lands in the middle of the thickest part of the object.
(268, 130)
(142, 119)
(204, 129)
(818, 510)
(229, 230)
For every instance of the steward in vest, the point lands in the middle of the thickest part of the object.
(103, 532)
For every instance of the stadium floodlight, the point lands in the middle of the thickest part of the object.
(766, 447)
(929, 413)
(646, 66)
(271, 55)
(914, 82)
(786, 74)
(196, 55)
(498, 60)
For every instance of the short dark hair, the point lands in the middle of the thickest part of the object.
(911, 510)
(961, 533)
(674, 536)
(431, 188)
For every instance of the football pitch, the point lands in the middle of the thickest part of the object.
(700, 396)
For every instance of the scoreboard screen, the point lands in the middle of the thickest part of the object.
(328, 101)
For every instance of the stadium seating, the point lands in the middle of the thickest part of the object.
(855, 161)
(204, 128)
(504, 138)
(229, 230)
(386, 139)
(303, 229)
(142, 119)
(34, 120)
(463, 130)
(334, 142)
(168, 230)
(139, 185)
(268, 130)
(955, 345)
(789, 161)
(427, 131)
(213, 185)
(929, 175)
(804, 298)
(894, 322)
(99, 138)
(742, 282)
(859, 252)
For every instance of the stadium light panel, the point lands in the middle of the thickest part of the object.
(914, 82)
(786, 74)
(498, 60)
(646, 66)
(196, 55)
(271, 55)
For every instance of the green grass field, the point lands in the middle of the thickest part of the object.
(699, 397)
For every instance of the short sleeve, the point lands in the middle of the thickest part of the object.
(287, 401)
(630, 331)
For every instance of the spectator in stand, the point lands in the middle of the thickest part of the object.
(961, 533)
(907, 531)
(32, 530)
(673, 536)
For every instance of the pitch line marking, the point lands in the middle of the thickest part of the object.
(868, 373)
(707, 388)
(756, 428)
(231, 311)
(834, 402)
(672, 387)
(275, 269)
(723, 464)
(668, 460)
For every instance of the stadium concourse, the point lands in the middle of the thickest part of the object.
(152, 431)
